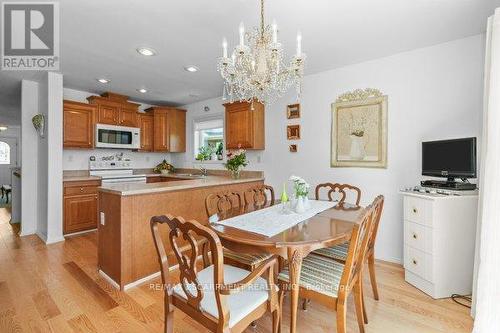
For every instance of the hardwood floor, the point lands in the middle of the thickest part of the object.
(56, 288)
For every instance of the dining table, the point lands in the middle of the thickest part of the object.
(327, 228)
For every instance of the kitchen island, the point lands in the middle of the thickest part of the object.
(126, 251)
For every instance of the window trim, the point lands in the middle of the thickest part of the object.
(8, 153)
(214, 116)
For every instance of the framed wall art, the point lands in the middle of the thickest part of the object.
(359, 129)
(293, 111)
(293, 132)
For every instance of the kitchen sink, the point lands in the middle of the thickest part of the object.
(190, 175)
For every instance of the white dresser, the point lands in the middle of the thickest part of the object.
(439, 238)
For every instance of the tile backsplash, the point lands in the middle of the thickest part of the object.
(79, 159)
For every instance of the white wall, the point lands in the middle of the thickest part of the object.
(74, 159)
(29, 170)
(434, 93)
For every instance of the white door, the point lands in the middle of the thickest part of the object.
(8, 158)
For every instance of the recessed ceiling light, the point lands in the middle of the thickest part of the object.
(191, 69)
(142, 90)
(102, 80)
(146, 51)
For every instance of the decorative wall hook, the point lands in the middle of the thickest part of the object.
(39, 124)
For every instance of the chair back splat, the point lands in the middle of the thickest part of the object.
(341, 189)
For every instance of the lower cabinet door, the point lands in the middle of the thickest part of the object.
(80, 213)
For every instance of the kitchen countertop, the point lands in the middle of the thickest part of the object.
(176, 185)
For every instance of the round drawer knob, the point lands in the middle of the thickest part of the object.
(414, 262)
(415, 236)
(81, 189)
(415, 210)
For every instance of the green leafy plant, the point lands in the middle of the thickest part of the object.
(164, 165)
(219, 148)
(204, 153)
(236, 160)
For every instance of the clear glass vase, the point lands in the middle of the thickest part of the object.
(235, 174)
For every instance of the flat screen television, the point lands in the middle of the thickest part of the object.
(449, 158)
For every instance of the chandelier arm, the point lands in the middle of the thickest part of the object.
(262, 19)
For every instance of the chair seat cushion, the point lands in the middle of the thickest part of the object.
(337, 252)
(245, 258)
(240, 304)
(318, 273)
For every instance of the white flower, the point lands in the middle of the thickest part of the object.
(294, 178)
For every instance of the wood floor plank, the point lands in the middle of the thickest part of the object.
(45, 305)
(82, 324)
(104, 300)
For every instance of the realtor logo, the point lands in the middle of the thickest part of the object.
(30, 36)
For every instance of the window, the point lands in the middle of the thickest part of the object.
(4, 153)
(208, 139)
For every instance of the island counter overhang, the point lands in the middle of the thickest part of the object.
(126, 253)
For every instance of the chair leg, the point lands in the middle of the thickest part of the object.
(305, 303)
(276, 321)
(281, 295)
(341, 317)
(363, 302)
(169, 322)
(373, 280)
(358, 301)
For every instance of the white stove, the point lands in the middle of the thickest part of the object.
(114, 171)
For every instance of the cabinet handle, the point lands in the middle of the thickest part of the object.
(81, 189)
(414, 210)
(414, 236)
(414, 262)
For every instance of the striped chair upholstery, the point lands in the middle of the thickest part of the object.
(337, 252)
(318, 273)
(246, 259)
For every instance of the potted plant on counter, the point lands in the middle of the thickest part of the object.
(164, 168)
(236, 160)
(219, 149)
(204, 153)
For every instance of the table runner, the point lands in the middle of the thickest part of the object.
(271, 220)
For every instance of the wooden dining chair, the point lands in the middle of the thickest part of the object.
(340, 252)
(233, 203)
(343, 190)
(330, 282)
(221, 297)
(259, 196)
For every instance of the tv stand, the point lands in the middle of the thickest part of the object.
(449, 184)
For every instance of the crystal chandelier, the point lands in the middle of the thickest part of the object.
(256, 69)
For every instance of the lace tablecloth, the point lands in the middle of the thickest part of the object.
(272, 220)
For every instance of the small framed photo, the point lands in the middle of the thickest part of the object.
(293, 148)
(293, 111)
(293, 132)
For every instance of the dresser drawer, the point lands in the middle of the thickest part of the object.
(418, 210)
(418, 262)
(418, 236)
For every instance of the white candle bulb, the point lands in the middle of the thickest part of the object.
(233, 58)
(242, 34)
(275, 32)
(253, 65)
(299, 44)
(224, 48)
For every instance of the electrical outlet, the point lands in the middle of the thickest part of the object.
(103, 218)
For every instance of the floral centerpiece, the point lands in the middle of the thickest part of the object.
(301, 189)
(164, 167)
(236, 160)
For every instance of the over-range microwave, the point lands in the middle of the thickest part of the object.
(111, 136)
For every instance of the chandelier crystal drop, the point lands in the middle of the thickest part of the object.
(256, 69)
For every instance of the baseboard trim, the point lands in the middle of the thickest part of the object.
(141, 281)
(80, 232)
(109, 279)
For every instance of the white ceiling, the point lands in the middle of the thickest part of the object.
(99, 38)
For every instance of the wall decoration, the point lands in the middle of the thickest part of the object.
(293, 111)
(39, 124)
(359, 129)
(293, 132)
(293, 148)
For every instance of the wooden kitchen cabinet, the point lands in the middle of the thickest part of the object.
(146, 124)
(169, 129)
(244, 126)
(115, 109)
(80, 205)
(78, 125)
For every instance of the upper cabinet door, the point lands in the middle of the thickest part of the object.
(244, 126)
(78, 127)
(146, 124)
(161, 135)
(128, 117)
(177, 130)
(108, 114)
